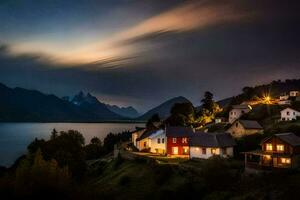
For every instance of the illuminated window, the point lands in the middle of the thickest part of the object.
(175, 150)
(203, 151)
(280, 147)
(285, 160)
(185, 150)
(174, 140)
(213, 151)
(184, 140)
(197, 149)
(269, 147)
(267, 157)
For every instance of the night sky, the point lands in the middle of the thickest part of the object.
(142, 52)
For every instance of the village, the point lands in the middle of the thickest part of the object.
(277, 151)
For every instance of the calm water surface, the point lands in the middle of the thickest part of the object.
(14, 137)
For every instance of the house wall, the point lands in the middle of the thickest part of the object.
(289, 114)
(159, 147)
(144, 144)
(179, 143)
(197, 152)
(136, 135)
(235, 114)
(288, 149)
(294, 93)
(237, 130)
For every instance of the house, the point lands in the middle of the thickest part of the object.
(284, 97)
(237, 111)
(294, 93)
(178, 140)
(144, 142)
(244, 127)
(158, 141)
(289, 114)
(285, 102)
(136, 134)
(206, 145)
(278, 151)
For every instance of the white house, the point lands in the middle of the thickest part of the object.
(294, 93)
(158, 142)
(289, 114)
(237, 111)
(136, 134)
(206, 145)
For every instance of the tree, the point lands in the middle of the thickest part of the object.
(152, 120)
(207, 101)
(182, 114)
(53, 134)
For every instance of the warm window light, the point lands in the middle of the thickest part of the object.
(269, 147)
(285, 160)
(213, 151)
(175, 150)
(267, 157)
(197, 149)
(280, 147)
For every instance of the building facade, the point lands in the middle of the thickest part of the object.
(278, 151)
(289, 114)
(206, 145)
(158, 142)
(178, 140)
(237, 111)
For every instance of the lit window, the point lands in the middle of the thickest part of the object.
(158, 140)
(285, 160)
(269, 147)
(174, 140)
(197, 149)
(184, 140)
(213, 151)
(185, 150)
(280, 147)
(267, 157)
(175, 150)
(203, 151)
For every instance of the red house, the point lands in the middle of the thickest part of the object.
(178, 140)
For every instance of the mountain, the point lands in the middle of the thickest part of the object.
(163, 110)
(81, 99)
(18, 104)
(124, 111)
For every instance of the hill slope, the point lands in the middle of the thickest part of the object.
(163, 110)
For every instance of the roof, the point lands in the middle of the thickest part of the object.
(289, 138)
(212, 140)
(157, 133)
(146, 134)
(289, 108)
(250, 124)
(243, 106)
(176, 131)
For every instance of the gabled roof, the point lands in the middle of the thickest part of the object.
(157, 133)
(212, 140)
(289, 138)
(176, 131)
(250, 124)
(146, 134)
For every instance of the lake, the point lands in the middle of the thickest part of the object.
(15, 137)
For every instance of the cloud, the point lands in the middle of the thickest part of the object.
(135, 40)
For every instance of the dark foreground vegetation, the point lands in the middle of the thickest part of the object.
(60, 168)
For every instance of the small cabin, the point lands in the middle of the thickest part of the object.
(278, 151)
(241, 128)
